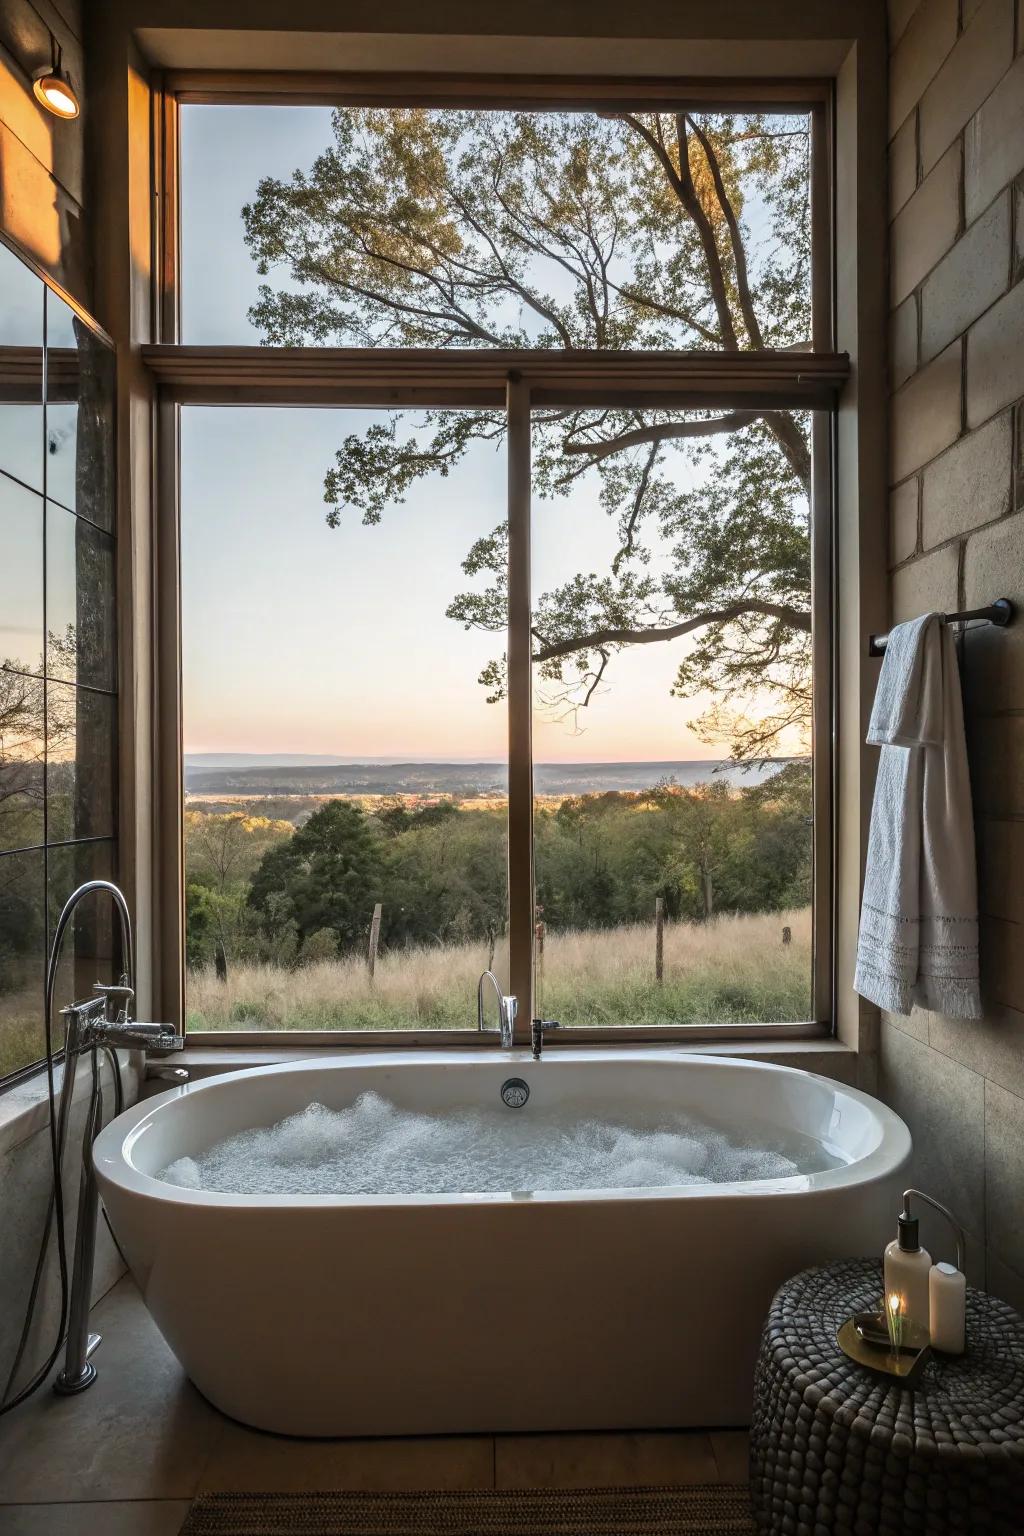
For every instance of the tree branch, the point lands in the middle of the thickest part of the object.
(796, 618)
(681, 183)
(739, 254)
(670, 311)
(626, 548)
(662, 432)
(597, 678)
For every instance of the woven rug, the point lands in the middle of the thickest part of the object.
(696, 1511)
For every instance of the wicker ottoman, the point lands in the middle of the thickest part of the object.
(835, 1449)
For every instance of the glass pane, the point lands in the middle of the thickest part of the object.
(672, 724)
(342, 752)
(79, 415)
(22, 959)
(81, 737)
(21, 370)
(22, 761)
(443, 228)
(79, 600)
(21, 577)
(88, 951)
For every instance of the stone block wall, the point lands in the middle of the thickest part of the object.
(956, 520)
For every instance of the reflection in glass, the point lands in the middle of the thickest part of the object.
(21, 577)
(22, 761)
(21, 370)
(89, 945)
(343, 662)
(80, 762)
(672, 769)
(57, 610)
(79, 415)
(79, 600)
(22, 959)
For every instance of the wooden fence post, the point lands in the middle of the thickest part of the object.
(659, 939)
(220, 960)
(787, 934)
(371, 958)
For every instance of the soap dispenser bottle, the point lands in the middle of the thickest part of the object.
(907, 1266)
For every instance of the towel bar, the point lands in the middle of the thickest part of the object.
(1000, 613)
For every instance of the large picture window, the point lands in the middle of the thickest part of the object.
(58, 678)
(513, 653)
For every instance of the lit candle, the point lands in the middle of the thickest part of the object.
(895, 1308)
(947, 1306)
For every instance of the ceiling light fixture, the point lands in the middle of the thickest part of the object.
(52, 87)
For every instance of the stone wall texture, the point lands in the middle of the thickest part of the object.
(956, 510)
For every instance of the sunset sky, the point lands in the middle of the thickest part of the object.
(302, 639)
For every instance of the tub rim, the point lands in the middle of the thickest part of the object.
(114, 1166)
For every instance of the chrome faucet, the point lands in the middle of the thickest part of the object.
(507, 1010)
(103, 1021)
(537, 1028)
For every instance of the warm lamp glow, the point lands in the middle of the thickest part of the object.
(54, 91)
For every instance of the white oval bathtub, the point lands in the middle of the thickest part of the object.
(441, 1313)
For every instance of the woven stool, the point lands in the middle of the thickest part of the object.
(835, 1449)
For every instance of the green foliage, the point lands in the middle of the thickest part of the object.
(328, 876)
(200, 923)
(422, 228)
(440, 871)
(602, 860)
(321, 945)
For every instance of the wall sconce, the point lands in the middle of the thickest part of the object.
(52, 87)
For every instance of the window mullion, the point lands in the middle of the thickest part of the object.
(520, 707)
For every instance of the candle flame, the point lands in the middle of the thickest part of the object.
(895, 1303)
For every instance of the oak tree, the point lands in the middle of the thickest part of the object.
(579, 230)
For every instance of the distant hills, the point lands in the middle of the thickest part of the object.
(298, 774)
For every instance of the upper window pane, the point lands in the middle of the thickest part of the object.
(79, 415)
(21, 370)
(407, 227)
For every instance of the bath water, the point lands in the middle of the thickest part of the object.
(375, 1148)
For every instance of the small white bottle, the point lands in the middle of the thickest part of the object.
(907, 1266)
(947, 1308)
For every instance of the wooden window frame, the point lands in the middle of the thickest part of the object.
(521, 379)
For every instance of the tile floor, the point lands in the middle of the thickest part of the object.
(127, 1459)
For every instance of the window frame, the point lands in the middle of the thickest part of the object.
(238, 375)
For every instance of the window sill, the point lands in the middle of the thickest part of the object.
(830, 1058)
(24, 1107)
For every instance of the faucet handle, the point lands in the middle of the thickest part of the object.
(120, 994)
(537, 1031)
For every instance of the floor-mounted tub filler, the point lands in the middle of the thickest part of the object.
(459, 1242)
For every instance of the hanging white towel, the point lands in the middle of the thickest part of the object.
(919, 917)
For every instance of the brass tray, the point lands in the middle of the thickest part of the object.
(902, 1365)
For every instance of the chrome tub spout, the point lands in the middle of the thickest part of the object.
(507, 1007)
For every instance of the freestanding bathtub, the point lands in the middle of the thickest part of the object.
(424, 1314)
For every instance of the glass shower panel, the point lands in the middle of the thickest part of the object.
(21, 370)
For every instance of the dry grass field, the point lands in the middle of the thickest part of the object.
(733, 970)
